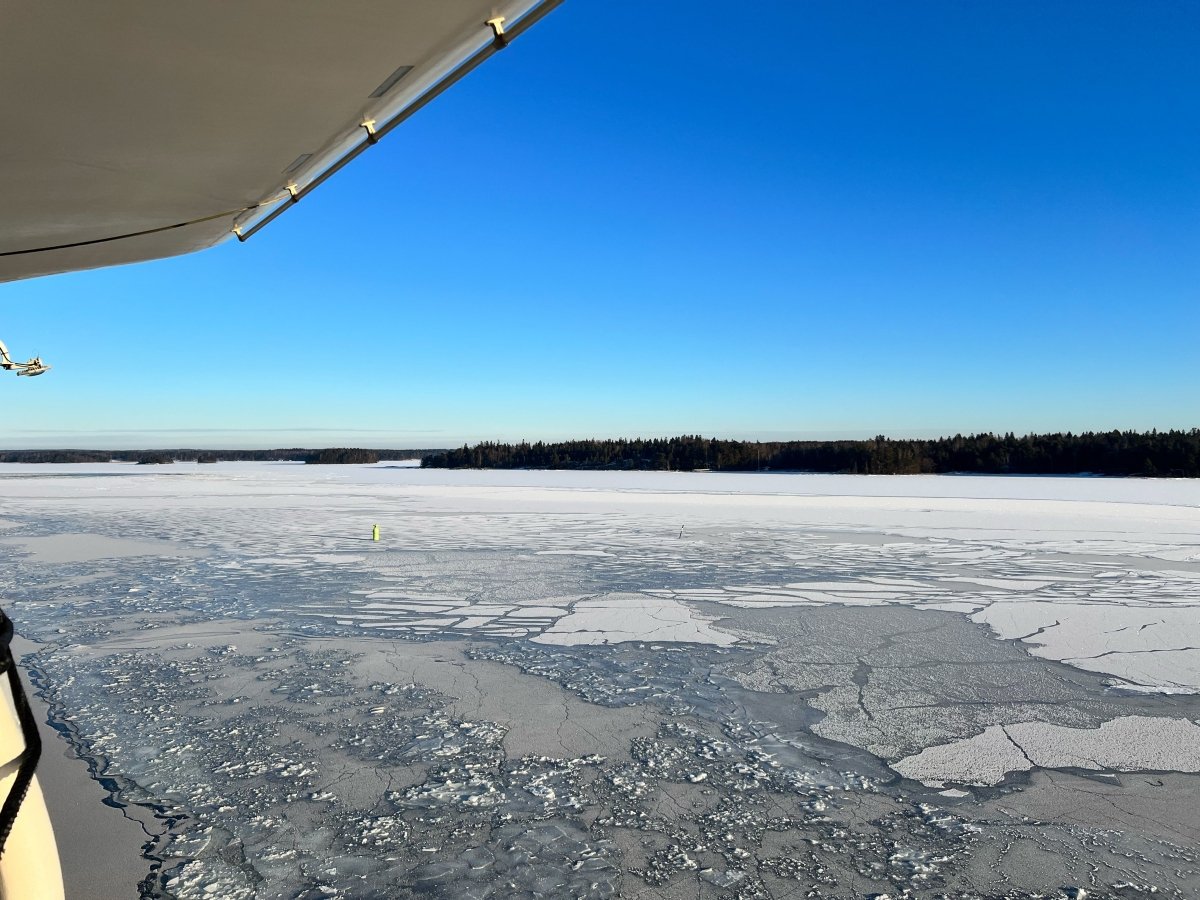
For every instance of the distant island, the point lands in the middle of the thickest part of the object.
(1150, 454)
(327, 456)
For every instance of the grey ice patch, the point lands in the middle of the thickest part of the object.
(74, 548)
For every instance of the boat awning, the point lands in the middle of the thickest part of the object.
(137, 129)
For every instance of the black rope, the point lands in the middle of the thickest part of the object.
(27, 759)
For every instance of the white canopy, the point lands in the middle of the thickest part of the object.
(127, 116)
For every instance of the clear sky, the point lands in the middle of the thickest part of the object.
(756, 220)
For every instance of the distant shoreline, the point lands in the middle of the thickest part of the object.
(202, 455)
(1172, 454)
(414, 465)
(1153, 454)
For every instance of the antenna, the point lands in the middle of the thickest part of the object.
(31, 367)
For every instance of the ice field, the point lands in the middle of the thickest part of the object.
(557, 684)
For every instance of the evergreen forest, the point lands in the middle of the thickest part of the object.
(1153, 454)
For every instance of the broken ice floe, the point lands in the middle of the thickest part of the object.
(1129, 743)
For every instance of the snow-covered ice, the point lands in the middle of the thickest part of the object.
(615, 618)
(692, 684)
(1127, 743)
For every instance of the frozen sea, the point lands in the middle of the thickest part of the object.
(593, 685)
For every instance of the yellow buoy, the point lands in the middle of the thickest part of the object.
(375, 533)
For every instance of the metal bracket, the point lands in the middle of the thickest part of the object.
(237, 230)
(499, 39)
(372, 135)
(294, 192)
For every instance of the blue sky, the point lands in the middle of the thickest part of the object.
(796, 220)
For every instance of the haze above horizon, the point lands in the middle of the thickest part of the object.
(804, 221)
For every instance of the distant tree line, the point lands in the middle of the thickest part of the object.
(343, 456)
(155, 459)
(1154, 453)
(293, 454)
